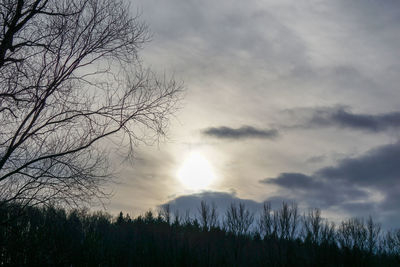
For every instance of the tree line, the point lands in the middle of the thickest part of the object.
(50, 236)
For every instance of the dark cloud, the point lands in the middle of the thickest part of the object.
(379, 167)
(352, 185)
(244, 132)
(318, 193)
(293, 181)
(343, 118)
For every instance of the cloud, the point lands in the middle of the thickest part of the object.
(371, 180)
(244, 132)
(293, 181)
(248, 61)
(345, 119)
(379, 167)
(316, 159)
(342, 117)
(318, 193)
(222, 201)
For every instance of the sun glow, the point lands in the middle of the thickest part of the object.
(196, 172)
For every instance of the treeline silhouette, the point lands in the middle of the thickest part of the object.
(50, 236)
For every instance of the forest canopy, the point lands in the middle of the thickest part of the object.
(280, 237)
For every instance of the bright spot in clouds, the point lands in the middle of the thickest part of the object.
(196, 172)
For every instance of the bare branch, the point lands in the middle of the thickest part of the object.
(70, 78)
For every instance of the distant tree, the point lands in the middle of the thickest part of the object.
(208, 216)
(352, 234)
(328, 233)
(373, 235)
(120, 219)
(186, 219)
(177, 218)
(49, 236)
(266, 220)
(313, 226)
(238, 219)
(392, 242)
(288, 221)
(165, 213)
(148, 217)
(70, 78)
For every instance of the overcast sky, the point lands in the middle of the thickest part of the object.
(287, 100)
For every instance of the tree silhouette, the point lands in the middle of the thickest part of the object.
(71, 78)
(238, 219)
(313, 226)
(288, 219)
(49, 236)
(266, 221)
(208, 215)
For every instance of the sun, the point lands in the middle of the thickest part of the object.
(196, 172)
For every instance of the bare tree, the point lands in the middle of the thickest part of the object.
(178, 219)
(353, 234)
(313, 226)
(208, 215)
(165, 213)
(392, 242)
(186, 219)
(71, 78)
(266, 220)
(373, 235)
(328, 233)
(238, 219)
(288, 219)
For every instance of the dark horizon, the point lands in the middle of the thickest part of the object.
(53, 236)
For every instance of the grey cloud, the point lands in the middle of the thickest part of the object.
(248, 36)
(379, 167)
(244, 132)
(342, 117)
(222, 201)
(350, 184)
(316, 159)
(315, 192)
(345, 119)
(293, 180)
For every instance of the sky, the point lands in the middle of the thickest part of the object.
(286, 101)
